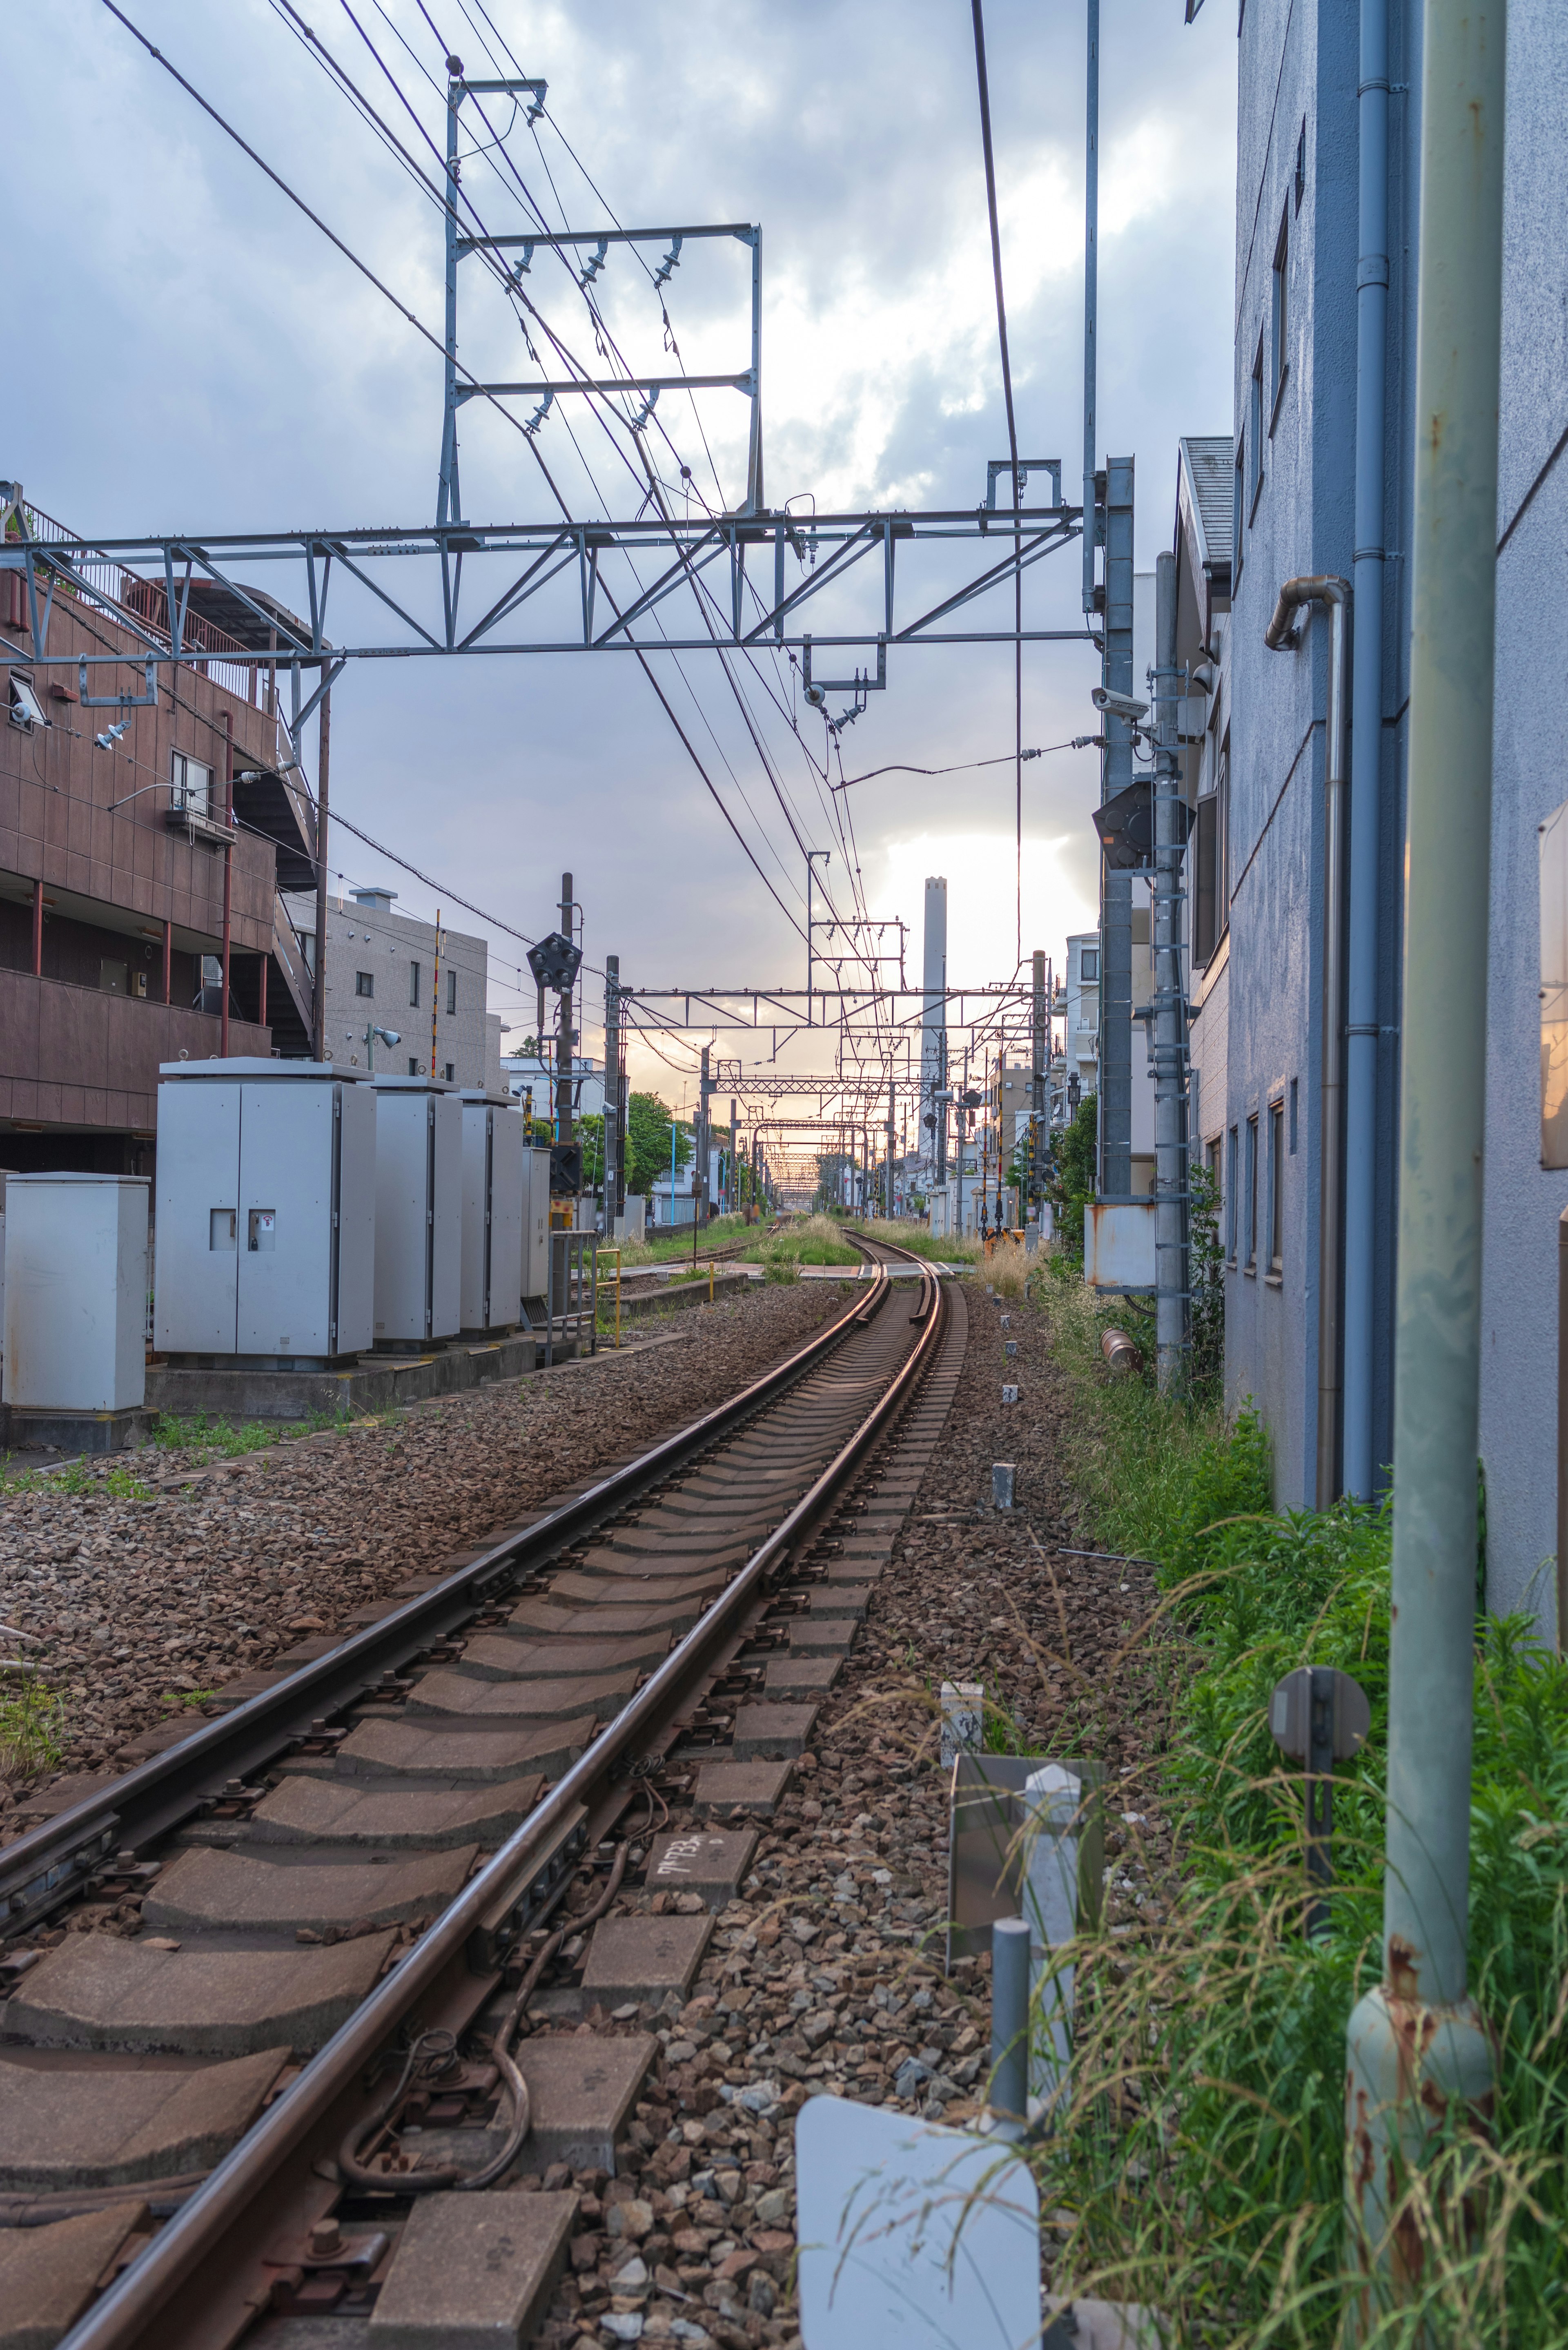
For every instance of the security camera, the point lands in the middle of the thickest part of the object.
(1118, 705)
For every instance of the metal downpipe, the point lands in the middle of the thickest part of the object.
(1283, 635)
(1359, 1466)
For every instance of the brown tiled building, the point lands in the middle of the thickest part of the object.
(112, 856)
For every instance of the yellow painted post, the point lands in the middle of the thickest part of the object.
(709, 1281)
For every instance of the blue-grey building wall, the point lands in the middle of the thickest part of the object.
(1299, 62)
(1299, 75)
(1524, 1200)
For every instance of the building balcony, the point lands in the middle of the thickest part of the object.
(79, 1057)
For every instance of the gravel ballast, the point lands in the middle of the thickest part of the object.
(827, 1977)
(138, 1609)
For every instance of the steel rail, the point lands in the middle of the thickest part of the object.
(119, 2318)
(49, 1864)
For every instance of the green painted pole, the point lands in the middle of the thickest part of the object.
(1418, 2041)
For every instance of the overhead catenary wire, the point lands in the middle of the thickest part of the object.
(983, 78)
(963, 767)
(427, 334)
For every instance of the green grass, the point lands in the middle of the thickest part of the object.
(75, 1479)
(1200, 2166)
(32, 1728)
(216, 1439)
(722, 1229)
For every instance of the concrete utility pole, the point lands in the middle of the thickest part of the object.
(1419, 2043)
(892, 1131)
(1114, 1128)
(612, 1093)
(565, 1034)
(1170, 1225)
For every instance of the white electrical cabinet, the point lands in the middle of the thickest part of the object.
(494, 1180)
(266, 1211)
(536, 1226)
(76, 1292)
(418, 1211)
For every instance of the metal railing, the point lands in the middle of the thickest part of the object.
(145, 603)
(572, 1294)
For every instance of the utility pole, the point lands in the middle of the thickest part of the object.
(1170, 1260)
(612, 1093)
(565, 1034)
(1038, 1057)
(892, 1124)
(735, 1185)
(1114, 1124)
(319, 1021)
(1419, 2052)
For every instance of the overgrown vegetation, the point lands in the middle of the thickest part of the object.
(1070, 1175)
(806, 1240)
(1200, 2167)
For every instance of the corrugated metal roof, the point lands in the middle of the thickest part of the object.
(1209, 460)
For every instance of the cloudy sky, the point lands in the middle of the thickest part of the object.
(187, 352)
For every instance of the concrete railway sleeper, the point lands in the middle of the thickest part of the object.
(280, 2098)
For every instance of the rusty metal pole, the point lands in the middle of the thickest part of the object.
(319, 1021)
(1418, 2050)
(228, 878)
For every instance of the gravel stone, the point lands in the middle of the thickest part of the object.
(230, 1563)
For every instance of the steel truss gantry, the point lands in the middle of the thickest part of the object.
(448, 588)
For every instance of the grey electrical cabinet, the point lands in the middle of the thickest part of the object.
(494, 1177)
(418, 1211)
(536, 1231)
(265, 1226)
(76, 1292)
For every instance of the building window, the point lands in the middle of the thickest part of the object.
(1231, 1146)
(1276, 1187)
(1089, 966)
(191, 783)
(414, 985)
(1300, 165)
(364, 982)
(1294, 1090)
(27, 710)
(1249, 1197)
(1211, 863)
(451, 1073)
(1255, 431)
(1279, 324)
(452, 991)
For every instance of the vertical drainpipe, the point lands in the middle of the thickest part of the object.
(1360, 1468)
(1283, 635)
(1417, 2044)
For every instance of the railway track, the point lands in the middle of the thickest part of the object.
(275, 2084)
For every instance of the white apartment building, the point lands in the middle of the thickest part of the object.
(383, 972)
